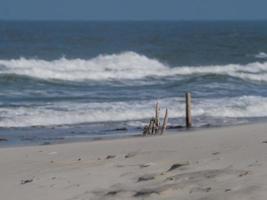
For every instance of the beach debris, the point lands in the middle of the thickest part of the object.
(165, 121)
(157, 121)
(110, 157)
(215, 153)
(79, 159)
(26, 181)
(188, 100)
(265, 142)
(178, 165)
(154, 127)
(227, 190)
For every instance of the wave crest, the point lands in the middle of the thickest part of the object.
(124, 66)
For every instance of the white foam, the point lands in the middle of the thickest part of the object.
(124, 66)
(127, 65)
(74, 113)
(244, 106)
(261, 55)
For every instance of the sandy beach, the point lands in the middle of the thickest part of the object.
(222, 163)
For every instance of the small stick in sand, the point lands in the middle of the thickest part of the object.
(154, 128)
(150, 127)
(157, 121)
(164, 126)
(188, 110)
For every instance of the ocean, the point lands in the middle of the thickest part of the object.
(66, 81)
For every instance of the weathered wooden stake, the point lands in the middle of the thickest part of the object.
(164, 125)
(155, 128)
(150, 127)
(188, 110)
(157, 114)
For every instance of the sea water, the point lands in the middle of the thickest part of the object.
(62, 80)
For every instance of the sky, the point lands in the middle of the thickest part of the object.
(133, 9)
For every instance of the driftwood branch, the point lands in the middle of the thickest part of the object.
(164, 126)
(154, 127)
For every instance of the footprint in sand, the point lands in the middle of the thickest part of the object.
(146, 177)
(178, 165)
(216, 153)
(146, 165)
(110, 157)
(130, 155)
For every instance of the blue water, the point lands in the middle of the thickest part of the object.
(69, 80)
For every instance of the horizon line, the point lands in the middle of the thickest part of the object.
(131, 20)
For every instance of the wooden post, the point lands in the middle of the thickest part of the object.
(157, 115)
(154, 130)
(188, 110)
(164, 126)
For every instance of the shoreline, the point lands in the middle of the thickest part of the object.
(215, 163)
(57, 138)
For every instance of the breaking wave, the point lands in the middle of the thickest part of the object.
(124, 66)
(59, 113)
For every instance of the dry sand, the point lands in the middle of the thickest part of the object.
(223, 163)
